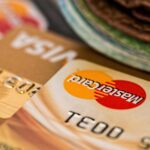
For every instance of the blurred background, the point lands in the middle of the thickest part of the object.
(117, 29)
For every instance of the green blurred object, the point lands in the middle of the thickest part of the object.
(103, 37)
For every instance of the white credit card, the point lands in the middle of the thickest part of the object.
(93, 107)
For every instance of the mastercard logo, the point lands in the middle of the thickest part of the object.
(99, 86)
(15, 13)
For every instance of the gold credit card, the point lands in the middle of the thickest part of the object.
(38, 55)
(93, 107)
(14, 93)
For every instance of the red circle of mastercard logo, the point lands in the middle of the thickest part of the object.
(121, 95)
(99, 86)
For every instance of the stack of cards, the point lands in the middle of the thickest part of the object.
(83, 106)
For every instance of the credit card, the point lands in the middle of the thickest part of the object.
(18, 12)
(38, 55)
(93, 107)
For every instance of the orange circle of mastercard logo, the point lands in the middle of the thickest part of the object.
(97, 85)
